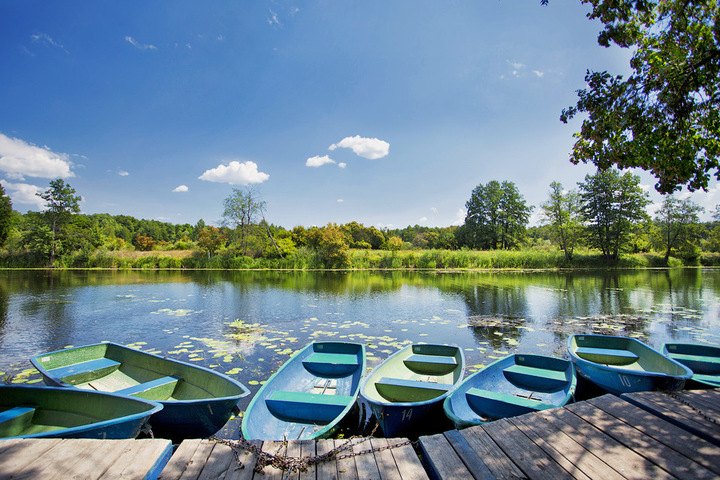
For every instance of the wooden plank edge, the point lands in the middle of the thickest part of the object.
(159, 465)
(472, 461)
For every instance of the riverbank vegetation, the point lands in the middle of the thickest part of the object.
(603, 224)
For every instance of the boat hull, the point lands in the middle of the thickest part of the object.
(511, 386)
(53, 412)
(309, 396)
(405, 392)
(197, 401)
(625, 365)
(703, 360)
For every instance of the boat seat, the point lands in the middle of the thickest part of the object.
(15, 420)
(430, 364)
(535, 378)
(606, 356)
(158, 389)
(682, 357)
(404, 390)
(85, 371)
(713, 379)
(307, 407)
(498, 405)
(331, 364)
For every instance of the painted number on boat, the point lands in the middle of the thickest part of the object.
(625, 381)
(406, 414)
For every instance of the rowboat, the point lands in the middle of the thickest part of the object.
(197, 401)
(52, 412)
(309, 395)
(703, 360)
(408, 388)
(624, 365)
(514, 385)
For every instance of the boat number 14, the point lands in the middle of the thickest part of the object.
(406, 414)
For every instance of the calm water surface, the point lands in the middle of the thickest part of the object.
(246, 324)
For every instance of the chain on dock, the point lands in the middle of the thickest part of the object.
(300, 464)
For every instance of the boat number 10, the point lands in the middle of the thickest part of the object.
(406, 414)
(625, 381)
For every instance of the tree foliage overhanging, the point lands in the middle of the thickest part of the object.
(664, 117)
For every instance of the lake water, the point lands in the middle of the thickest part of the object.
(246, 324)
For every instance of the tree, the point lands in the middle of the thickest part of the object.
(664, 117)
(242, 208)
(333, 246)
(677, 219)
(210, 239)
(61, 203)
(611, 204)
(562, 212)
(496, 216)
(6, 216)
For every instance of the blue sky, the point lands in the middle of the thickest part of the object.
(386, 113)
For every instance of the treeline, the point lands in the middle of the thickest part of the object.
(596, 224)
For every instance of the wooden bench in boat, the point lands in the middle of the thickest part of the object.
(535, 377)
(606, 356)
(404, 390)
(84, 371)
(332, 364)
(430, 364)
(307, 407)
(487, 401)
(158, 389)
(16, 416)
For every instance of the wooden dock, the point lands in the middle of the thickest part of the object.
(649, 435)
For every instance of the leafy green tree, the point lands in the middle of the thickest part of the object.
(612, 204)
(242, 209)
(394, 243)
(664, 117)
(562, 212)
(678, 220)
(61, 203)
(6, 216)
(333, 246)
(496, 216)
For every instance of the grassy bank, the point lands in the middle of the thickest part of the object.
(305, 259)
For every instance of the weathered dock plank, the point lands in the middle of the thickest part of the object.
(445, 461)
(406, 460)
(82, 458)
(491, 454)
(328, 470)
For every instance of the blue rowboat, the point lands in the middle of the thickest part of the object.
(624, 365)
(309, 395)
(408, 388)
(511, 386)
(51, 412)
(197, 401)
(703, 360)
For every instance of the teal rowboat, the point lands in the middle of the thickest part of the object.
(703, 360)
(406, 391)
(52, 412)
(309, 395)
(511, 386)
(625, 365)
(197, 401)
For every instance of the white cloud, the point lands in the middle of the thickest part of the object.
(181, 188)
(235, 173)
(24, 194)
(19, 159)
(342, 164)
(371, 148)
(138, 45)
(340, 200)
(272, 19)
(460, 217)
(318, 161)
(46, 40)
(123, 173)
(423, 219)
(538, 73)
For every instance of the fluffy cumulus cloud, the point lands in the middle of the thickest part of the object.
(181, 188)
(22, 193)
(19, 159)
(371, 148)
(235, 173)
(318, 161)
